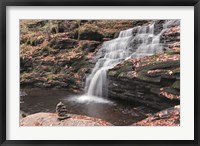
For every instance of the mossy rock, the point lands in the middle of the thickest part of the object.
(139, 22)
(88, 46)
(172, 52)
(143, 75)
(62, 44)
(112, 73)
(176, 85)
(88, 32)
(42, 85)
(128, 74)
(80, 63)
(161, 65)
(171, 90)
(109, 35)
(155, 91)
(126, 66)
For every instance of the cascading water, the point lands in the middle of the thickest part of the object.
(131, 43)
(114, 52)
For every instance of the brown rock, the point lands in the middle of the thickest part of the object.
(50, 119)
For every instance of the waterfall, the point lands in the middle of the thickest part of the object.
(131, 43)
(115, 51)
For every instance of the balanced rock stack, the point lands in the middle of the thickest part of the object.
(61, 111)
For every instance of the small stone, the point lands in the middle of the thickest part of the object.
(62, 111)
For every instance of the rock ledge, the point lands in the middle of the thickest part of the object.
(50, 119)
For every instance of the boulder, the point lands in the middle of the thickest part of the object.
(89, 46)
(89, 32)
(136, 91)
(153, 81)
(51, 119)
(64, 43)
(35, 24)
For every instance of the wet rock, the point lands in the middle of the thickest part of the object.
(171, 36)
(89, 46)
(42, 85)
(158, 26)
(152, 81)
(116, 35)
(139, 92)
(58, 84)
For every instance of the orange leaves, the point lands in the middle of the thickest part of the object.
(166, 57)
(168, 117)
(90, 55)
(173, 30)
(48, 58)
(151, 72)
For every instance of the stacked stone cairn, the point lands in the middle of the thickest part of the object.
(62, 111)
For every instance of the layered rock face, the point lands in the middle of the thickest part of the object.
(151, 80)
(157, 85)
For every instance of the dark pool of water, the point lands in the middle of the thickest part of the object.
(115, 112)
